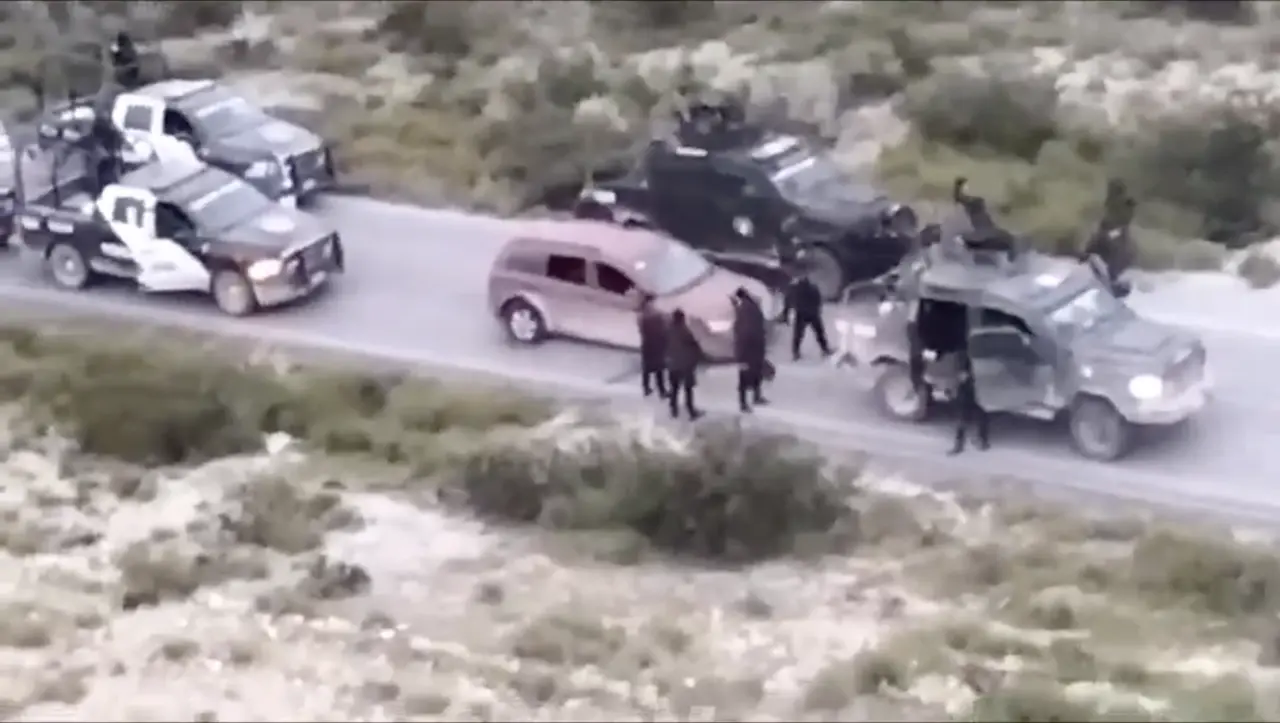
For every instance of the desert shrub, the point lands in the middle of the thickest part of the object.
(726, 494)
(1003, 112)
(1030, 699)
(156, 406)
(1220, 575)
(837, 685)
(1212, 11)
(1216, 167)
(441, 28)
(1259, 269)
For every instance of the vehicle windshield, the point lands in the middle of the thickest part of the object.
(223, 113)
(674, 267)
(228, 205)
(807, 178)
(1085, 310)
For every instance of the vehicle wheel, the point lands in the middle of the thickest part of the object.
(898, 396)
(233, 293)
(1098, 431)
(826, 272)
(68, 267)
(523, 322)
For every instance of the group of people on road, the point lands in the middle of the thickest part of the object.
(670, 355)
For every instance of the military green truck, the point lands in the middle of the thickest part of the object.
(1047, 339)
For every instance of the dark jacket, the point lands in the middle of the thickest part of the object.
(124, 59)
(803, 299)
(683, 352)
(750, 331)
(653, 336)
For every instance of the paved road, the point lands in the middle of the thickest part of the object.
(414, 292)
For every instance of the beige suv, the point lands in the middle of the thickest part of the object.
(585, 280)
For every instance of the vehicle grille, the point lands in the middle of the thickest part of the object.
(318, 256)
(1187, 372)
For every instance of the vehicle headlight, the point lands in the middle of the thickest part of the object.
(265, 269)
(260, 169)
(720, 326)
(1146, 386)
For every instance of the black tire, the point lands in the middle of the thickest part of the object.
(826, 271)
(1098, 431)
(523, 322)
(68, 267)
(232, 293)
(897, 396)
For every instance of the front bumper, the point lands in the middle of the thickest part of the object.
(312, 173)
(305, 272)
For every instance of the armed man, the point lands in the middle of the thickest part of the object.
(124, 61)
(971, 413)
(653, 348)
(1112, 242)
(750, 346)
(804, 309)
(683, 357)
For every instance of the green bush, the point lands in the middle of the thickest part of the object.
(1216, 168)
(157, 406)
(731, 495)
(1221, 576)
(1010, 114)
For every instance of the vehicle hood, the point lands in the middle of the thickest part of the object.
(711, 300)
(840, 211)
(272, 233)
(275, 137)
(1134, 343)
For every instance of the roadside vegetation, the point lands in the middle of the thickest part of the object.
(933, 605)
(508, 106)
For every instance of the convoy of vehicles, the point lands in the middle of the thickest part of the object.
(181, 185)
(753, 200)
(586, 279)
(96, 198)
(1047, 339)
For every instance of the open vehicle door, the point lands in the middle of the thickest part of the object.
(163, 264)
(1008, 373)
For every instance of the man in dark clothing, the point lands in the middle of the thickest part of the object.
(750, 348)
(683, 357)
(975, 207)
(971, 413)
(124, 60)
(653, 348)
(1112, 241)
(804, 301)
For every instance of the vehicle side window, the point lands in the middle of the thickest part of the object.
(569, 269)
(176, 124)
(526, 262)
(994, 317)
(613, 280)
(172, 223)
(137, 118)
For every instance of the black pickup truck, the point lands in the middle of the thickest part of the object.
(754, 201)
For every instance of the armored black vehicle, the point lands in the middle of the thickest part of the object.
(755, 200)
(94, 199)
(285, 161)
(1047, 338)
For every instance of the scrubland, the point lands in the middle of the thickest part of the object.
(188, 537)
(192, 536)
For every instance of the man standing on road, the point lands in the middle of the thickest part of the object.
(971, 413)
(683, 357)
(653, 348)
(804, 304)
(750, 348)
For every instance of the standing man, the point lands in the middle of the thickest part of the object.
(750, 348)
(683, 357)
(124, 60)
(804, 300)
(971, 413)
(653, 348)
